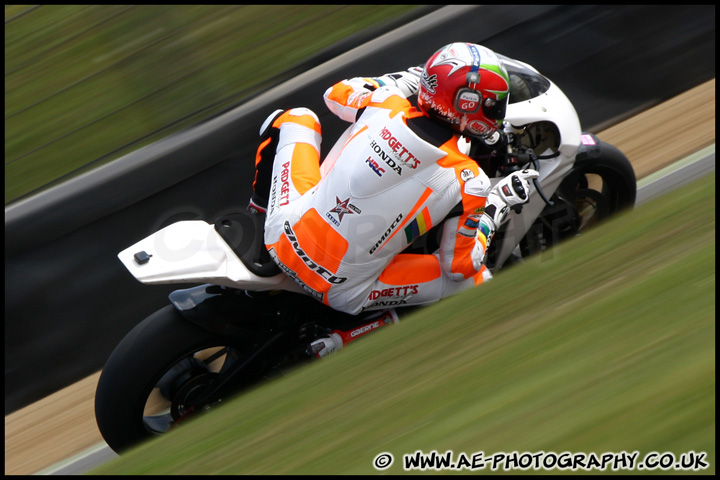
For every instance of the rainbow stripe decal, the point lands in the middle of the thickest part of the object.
(420, 224)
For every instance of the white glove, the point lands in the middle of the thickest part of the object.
(510, 191)
(408, 82)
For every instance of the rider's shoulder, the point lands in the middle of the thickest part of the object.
(429, 130)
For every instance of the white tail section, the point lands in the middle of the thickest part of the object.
(193, 252)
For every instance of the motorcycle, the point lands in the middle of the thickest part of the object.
(245, 321)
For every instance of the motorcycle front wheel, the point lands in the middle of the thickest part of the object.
(153, 379)
(599, 186)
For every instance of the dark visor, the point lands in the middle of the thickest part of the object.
(494, 109)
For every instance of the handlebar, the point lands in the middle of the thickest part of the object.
(534, 160)
(525, 157)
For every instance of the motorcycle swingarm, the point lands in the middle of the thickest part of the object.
(244, 321)
(226, 312)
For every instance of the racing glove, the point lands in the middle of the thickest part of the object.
(408, 81)
(511, 191)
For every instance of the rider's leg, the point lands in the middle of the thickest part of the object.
(300, 143)
(409, 280)
(263, 163)
(412, 279)
(296, 169)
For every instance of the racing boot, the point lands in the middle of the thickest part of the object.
(264, 163)
(323, 347)
(337, 339)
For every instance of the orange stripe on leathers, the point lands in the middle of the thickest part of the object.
(305, 172)
(320, 243)
(409, 268)
(304, 120)
(411, 215)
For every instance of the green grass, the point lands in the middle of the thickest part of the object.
(85, 84)
(608, 345)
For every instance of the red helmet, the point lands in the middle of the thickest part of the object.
(465, 85)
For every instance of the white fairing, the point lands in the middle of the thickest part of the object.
(193, 252)
(552, 106)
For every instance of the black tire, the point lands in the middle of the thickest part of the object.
(601, 184)
(619, 185)
(154, 358)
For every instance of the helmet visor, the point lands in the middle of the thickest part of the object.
(494, 109)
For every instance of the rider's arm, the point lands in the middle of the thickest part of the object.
(463, 245)
(348, 97)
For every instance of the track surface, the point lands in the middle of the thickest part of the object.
(63, 424)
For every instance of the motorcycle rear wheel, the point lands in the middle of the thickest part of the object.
(153, 376)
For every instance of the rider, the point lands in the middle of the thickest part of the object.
(339, 230)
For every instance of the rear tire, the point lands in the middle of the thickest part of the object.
(149, 380)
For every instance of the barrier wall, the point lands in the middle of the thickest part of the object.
(68, 300)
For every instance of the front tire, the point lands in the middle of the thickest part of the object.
(151, 378)
(604, 178)
(601, 184)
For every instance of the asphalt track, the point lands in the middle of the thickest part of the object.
(674, 176)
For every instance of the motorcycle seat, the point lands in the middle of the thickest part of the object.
(244, 233)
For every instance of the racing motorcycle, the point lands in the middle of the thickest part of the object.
(244, 321)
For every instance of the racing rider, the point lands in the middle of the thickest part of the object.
(339, 230)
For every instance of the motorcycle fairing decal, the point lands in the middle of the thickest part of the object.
(589, 146)
(586, 139)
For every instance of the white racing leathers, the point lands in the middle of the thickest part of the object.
(340, 233)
